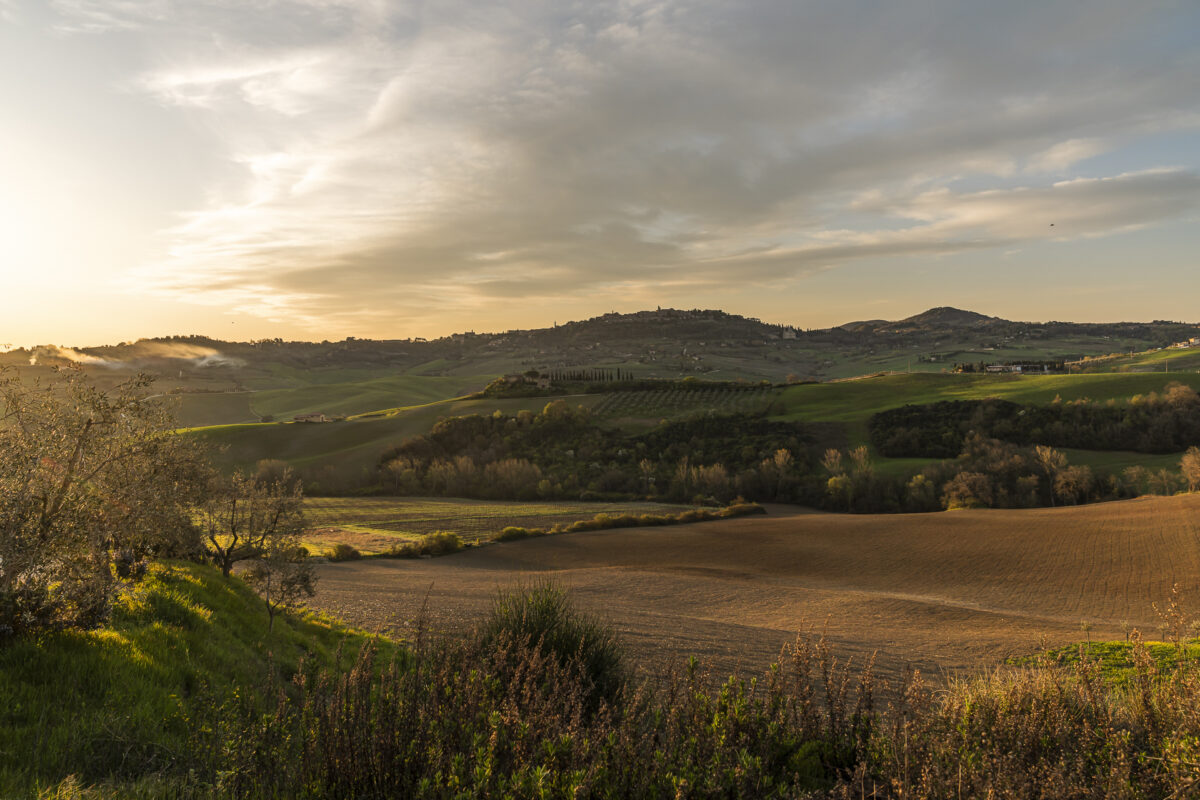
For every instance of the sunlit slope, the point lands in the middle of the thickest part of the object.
(353, 444)
(363, 396)
(354, 392)
(856, 401)
(1168, 360)
(126, 698)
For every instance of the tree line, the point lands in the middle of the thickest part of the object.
(1152, 423)
(563, 452)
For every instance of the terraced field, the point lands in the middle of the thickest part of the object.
(374, 524)
(947, 591)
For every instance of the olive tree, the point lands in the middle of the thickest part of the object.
(282, 575)
(92, 483)
(244, 518)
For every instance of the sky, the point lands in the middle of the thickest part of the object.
(316, 169)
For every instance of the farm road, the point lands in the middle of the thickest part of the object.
(943, 592)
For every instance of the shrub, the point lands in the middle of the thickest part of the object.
(343, 552)
(441, 542)
(513, 532)
(542, 616)
(438, 543)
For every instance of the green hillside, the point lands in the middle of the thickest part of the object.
(139, 696)
(361, 397)
(855, 401)
(347, 451)
(340, 392)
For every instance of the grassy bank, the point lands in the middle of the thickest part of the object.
(136, 698)
(537, 702)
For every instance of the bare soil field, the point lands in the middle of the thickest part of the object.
(943, 592)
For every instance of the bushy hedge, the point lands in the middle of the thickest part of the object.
(603, 522)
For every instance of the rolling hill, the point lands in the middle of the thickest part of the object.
(357, 375)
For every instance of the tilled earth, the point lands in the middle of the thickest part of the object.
(945, 592)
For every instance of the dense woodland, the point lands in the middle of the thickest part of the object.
(564, 452)
(988, 453)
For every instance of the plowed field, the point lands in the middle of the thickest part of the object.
(946, 591)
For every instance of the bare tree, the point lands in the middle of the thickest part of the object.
(282, 576)
(242, 518)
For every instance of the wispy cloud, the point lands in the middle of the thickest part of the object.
(406, 158)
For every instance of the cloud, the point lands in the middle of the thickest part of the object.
(1065, 155)
(405, 159)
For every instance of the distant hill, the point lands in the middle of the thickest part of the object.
(222, 381)
(947, 317)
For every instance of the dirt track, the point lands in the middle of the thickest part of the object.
(948, 591)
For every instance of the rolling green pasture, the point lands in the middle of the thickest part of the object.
(374, 524)
(195, 409)
(1167, 361)
(360, 397)
(350, 446)
(857, 400)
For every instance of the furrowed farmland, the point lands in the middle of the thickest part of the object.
(948, 591)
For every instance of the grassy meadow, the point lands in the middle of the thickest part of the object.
(140, 695)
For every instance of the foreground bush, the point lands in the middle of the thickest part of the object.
(541, 616)
(510, 719)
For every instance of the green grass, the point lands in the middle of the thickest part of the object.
(362, 396)
(130, 698)
(851, 404)
(1115, 660)
(1113, 461)
(856, 401)
(375, 524)
(195, 409)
